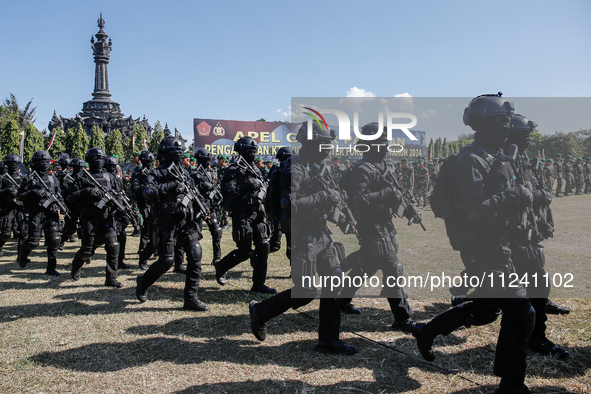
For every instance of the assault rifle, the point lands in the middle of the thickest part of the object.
(246, 166)
(52, 197)
(16, 186)
(190, 196)
(406, 208)
(526, 215)
(67, 175)
(109, 197)
(341, 214)
(215, 195)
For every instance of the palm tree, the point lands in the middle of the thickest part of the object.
(24, 116)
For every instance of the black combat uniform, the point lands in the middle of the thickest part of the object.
(373, 201)
(172, 189)
(306, 203)
(12, 217)
(97, 216)
(43, 215)
(204, 179)
(487, 201)
(244, 193)
(140, 173)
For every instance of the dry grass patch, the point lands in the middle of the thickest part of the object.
(57, 335)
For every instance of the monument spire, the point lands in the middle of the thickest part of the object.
(101, 50)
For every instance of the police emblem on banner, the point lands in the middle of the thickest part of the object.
(203, 128)
(218, 130)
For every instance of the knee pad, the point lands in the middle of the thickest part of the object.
(216, 234)
(85, 255)
(195, 253)
(31, 243)
(262, 249)
(167, 263)
(54, 241)
(4, 238)
(529, 320)
(112, 248)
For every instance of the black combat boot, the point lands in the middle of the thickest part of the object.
(194, 304)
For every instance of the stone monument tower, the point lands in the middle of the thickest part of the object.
(101, 111)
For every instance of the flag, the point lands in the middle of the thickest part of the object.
(51, 140)
(146, 144)
(22, 133)
(133, 144)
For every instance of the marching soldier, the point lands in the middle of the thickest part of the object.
(568, 176)
(203, 178)
(12, 218)
(580, 177)
(244, 192)
(40, 192)
(92, 191)
(179, 207)
(138, 177)
(305, 203)
(587, 173)
(421, 183)
(549, 175)
(559, 169)
(122, 221)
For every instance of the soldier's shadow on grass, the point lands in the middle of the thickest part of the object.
(103, 301)
(392, 374)
(296, 386)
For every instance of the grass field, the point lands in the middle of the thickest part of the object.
(57, 335)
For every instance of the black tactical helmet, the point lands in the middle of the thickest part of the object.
(111, 164)
(95, 157)
(322, 135)
(64, 160)
(146, 155)
(171, 150)
(12, 158)
(94, 153)
(284, 154)
(245, 143)
(40, 160)
(246, 147)
(203, 156)
(487, 106)
(111, 161)
(41, 155)
(372, 129)
(520, 123)
(79, 163)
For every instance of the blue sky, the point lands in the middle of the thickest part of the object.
(178, 60)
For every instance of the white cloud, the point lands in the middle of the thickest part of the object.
(286, 114)
(403, 95)
(356, 92)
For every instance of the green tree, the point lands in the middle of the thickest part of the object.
(33, 142)
(437, 148)
(114, 144)
(97, 138)
(430, 150)
(59, 143)
(157, 137)
(24, 116)
(77, 142)
(444, 148)
(11, 138)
